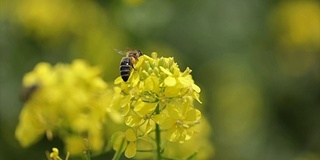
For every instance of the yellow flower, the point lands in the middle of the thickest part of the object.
(154, 82)
(125, 142)
(54, 155)
(70, 101)
(157, 94)
(199, 144)
(178, 119)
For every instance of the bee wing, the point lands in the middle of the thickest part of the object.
(123, 51)
(119, 51)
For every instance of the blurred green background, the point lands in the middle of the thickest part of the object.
(257, 62)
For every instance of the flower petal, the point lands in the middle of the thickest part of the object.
(173, 134)
(173, 91)
(193, 115)
(170, 81)
(131, 150)
(133, 120)
(174, 111)
(196, 88)
(168, 123)
(117, 140)
(183, 135)
(165, 71)
(145, 108)
(185, 82)
(150, 125)
(130, 135)
(197, 97)
(159, 118)
(151, 84)
(118, 80)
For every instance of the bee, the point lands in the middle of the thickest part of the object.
(27, 92)
(127, 62)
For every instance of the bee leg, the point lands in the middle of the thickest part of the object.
(132, 61)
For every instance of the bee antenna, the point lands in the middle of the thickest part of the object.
(118, 51)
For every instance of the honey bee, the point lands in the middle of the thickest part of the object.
(27, 92)
(127, 62)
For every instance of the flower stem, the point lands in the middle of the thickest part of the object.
(140, 150)
(87, 155)
(158, 136)
(118, 153)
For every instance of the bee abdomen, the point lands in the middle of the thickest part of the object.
(125, 68)
(125, 72)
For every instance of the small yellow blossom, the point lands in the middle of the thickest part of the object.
(131, 148)
(70, 102)
(178, 119)
(125, 142)
(54, 155)
(199, 144)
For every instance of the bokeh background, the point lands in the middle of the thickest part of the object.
(257, 62)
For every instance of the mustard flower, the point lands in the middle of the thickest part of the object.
(177, 119)
(54, 155)
(125, 142)
(158, 97)
(199, 146)
(69, 101)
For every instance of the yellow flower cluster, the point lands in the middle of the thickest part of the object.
(157, 97)
(64, 100)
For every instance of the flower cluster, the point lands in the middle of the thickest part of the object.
(64, 100)
(156, 104)
(158, 97)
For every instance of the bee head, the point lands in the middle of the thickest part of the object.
(135, 54)
(140, 53)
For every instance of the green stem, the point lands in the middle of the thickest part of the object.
(68, 155)
(118, 153)
(87, 155)
(158, 136)
(150, 150)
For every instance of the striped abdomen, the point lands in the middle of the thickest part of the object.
(125, 68)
